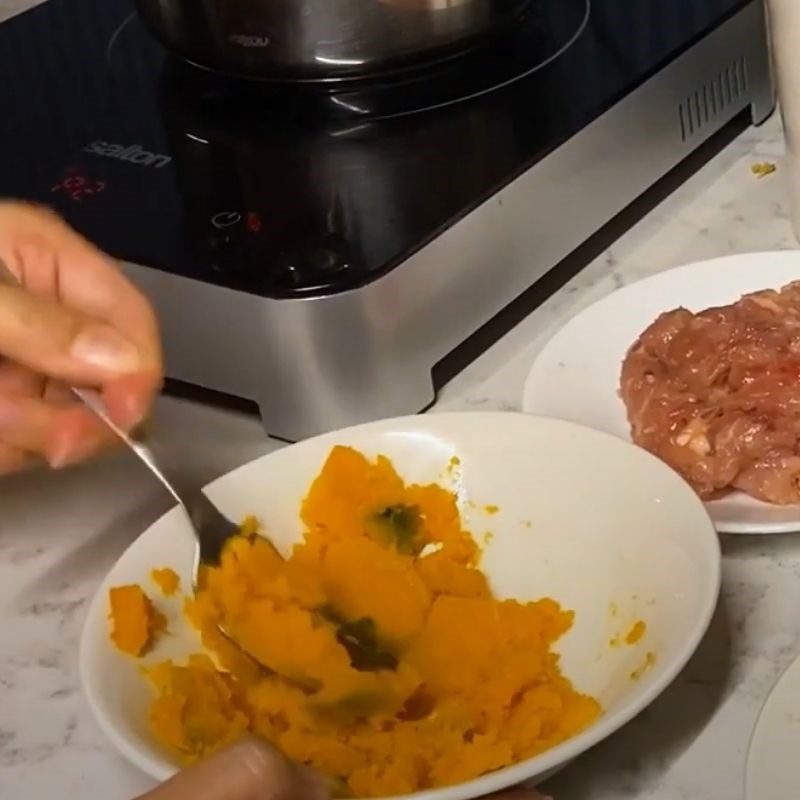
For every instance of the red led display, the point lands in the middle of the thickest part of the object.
(76, 185)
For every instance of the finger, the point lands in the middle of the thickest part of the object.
(26, 422)
(250, 770)
(16, 379)
(32, 259)
(57, 394)
(12, 459)
(77, 436)
(129, 399)
(49, 257)
(45, 336)
(30, 418)
(63, 435)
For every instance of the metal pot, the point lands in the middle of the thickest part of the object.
(320, 39)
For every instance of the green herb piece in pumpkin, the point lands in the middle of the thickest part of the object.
(360, 639)
(401, 526)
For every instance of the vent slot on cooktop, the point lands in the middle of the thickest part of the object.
(726, 88)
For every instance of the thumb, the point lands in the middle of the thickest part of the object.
(42, 334)
(250, 770)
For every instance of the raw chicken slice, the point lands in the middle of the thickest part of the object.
(716, 395)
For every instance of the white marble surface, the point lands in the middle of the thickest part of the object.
(59, 533)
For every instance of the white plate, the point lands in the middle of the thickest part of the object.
(576, 376)
(773, 761)
(590, 520)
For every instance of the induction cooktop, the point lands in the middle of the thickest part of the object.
(317, 249)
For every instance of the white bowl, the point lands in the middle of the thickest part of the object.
(592, 521)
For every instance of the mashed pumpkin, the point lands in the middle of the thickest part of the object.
(392, 667)
(135, 621)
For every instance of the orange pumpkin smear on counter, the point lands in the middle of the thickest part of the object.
(395, 667)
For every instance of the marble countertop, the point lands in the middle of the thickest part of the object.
(60, 533)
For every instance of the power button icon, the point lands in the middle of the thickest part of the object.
(225, 219)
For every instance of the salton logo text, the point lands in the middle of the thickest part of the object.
(134, 154)
(243, 40)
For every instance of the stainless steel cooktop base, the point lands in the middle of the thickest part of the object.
(314, 365)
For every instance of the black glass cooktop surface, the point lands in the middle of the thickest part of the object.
(294, 190)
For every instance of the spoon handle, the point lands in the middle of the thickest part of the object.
(94, 402)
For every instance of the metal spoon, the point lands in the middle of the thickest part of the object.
(212, 529)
